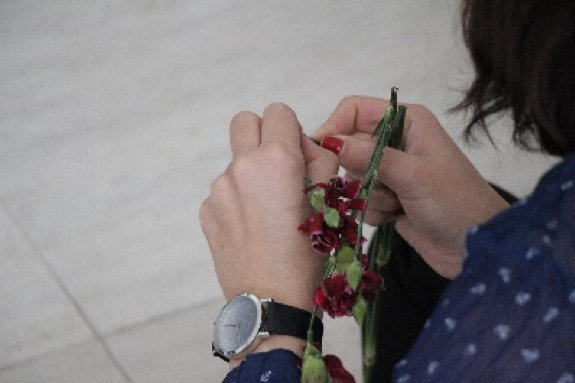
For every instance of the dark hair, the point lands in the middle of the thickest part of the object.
(523, 52)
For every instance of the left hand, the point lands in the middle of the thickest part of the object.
(251, 217)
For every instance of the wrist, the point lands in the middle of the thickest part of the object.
(274, 342)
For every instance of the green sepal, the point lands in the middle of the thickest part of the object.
(331, 216)
(329, 266)
(359, 309)
(307, 182)
(317, 198)
(353, 274)
(345, 255)
(313, 368)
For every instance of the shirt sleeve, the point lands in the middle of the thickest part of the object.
(412, 291)
(509, 316)
(273, 367)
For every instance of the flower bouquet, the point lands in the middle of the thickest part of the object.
(352, 280)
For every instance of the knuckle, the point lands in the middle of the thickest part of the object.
(420, 111)
(278, 153)
(221, 186)
(241, 167)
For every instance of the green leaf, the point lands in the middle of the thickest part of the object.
(307, 182)
(359, 309)
(331, 216)
(353, 274)
(317, 198)
(345, 255)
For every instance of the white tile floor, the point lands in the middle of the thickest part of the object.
(113, 123)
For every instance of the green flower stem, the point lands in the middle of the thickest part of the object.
(326, 273)
(310, 330)
(370, 179)
(379, 255)
(390, 133)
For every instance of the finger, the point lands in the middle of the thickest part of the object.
(354, 153)
(375, 218)
(401, 172)
(321, 164)
(383, 199)
(280, 124)
(354, 113)
(398, 170)
(352, 176)
(244, 133)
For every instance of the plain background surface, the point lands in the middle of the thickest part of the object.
(113, 123)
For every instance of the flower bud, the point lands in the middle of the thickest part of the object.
(313, 368)
(359, 309)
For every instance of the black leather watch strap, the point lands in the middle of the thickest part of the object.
(287, 320)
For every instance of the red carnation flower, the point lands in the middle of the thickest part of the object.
(323, 238)
(346, 189)
(348, 230)
(335, 297)
(369, 284)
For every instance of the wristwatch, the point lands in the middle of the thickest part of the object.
(245, 320)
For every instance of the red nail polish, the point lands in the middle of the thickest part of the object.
(332, 143)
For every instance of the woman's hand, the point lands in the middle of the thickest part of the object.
(431, 190)
(251, 217)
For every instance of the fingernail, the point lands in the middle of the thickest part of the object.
(332, 143)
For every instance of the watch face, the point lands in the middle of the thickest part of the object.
(237, 325)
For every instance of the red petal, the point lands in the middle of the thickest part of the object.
(364, 260)
(316, 223)
(325, 242)
(357, 204)
(370, 283)
(319, 299)
(349, 230)
(334, 286)
(338, 182)
(351, 190)
(336, 371)
(332, 361)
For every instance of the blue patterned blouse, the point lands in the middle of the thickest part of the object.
(509, 316)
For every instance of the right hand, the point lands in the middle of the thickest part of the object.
(431, 190)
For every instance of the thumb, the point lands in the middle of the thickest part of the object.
(320, 163)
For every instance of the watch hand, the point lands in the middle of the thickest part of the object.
(237, 326)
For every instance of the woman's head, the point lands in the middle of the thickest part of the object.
(524, 57)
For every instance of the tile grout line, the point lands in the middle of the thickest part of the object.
(66, 291)
(45, 354)
(160, 317)
(117, 331)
